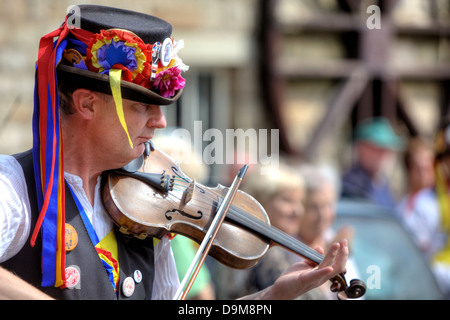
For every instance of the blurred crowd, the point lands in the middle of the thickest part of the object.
(300, 199)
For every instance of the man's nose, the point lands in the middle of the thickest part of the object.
(156, 118)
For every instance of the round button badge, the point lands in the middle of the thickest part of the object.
(71, 237)
(137, 275)
(128, 287)
(166, 52)
(72, 277)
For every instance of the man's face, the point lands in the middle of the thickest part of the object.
(141, 119)
(421, 170)
(285, 210)
(374, 159)
(319, 212)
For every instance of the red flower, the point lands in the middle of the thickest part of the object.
(167, 82)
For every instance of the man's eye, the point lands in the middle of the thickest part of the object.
(141, 107)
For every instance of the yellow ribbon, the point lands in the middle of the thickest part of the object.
(115, 76)
(443, 197)
(443, 255)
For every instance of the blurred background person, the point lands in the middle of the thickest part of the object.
(428, 218)
(418, 161)
(322, 189)
(281, 194)
(320, 205)
(376, 145)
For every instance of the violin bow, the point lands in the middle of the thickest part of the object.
(209, 238)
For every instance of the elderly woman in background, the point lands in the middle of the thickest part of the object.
(322, 190)
(281, 192)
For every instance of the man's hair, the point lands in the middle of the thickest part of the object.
(65, 95)
(65, 92)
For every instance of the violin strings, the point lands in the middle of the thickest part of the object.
(177, 184)
(288, 241)
(180, 179)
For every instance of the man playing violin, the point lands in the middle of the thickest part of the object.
(99, 89)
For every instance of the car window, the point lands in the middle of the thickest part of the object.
(387, 260)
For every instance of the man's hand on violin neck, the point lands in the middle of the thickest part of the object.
(304, 276)
(336, 257)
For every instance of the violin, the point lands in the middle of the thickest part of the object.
(165, 201)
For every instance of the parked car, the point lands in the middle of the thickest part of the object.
(385, 256)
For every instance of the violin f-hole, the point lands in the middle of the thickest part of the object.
(169, 214)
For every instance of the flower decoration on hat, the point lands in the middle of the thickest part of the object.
(168, 79)
(140, 62)
(124, 56)
(120, 49)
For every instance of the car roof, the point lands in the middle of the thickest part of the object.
(352, 207)
(353, 210)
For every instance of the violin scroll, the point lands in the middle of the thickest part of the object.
(356, 289)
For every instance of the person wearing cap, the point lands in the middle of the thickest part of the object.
(101, 79)
(375, 147)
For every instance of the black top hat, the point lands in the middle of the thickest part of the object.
(148, 33)
(149, 28)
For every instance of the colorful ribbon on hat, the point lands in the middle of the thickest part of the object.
(48, 160)
(115, 75)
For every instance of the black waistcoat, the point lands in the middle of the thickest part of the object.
(134, 254)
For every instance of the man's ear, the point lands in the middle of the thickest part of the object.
(84, 101)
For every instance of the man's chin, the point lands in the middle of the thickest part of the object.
(138, 149)
(129, 154)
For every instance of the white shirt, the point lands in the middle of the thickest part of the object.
(422, 218)
(15, 223)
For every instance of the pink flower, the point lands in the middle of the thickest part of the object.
(167, 82)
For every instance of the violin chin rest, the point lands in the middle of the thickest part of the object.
(134, 165)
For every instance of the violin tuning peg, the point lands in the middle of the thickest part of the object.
(335, 286)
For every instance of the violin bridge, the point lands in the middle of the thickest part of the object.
(187, 194)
